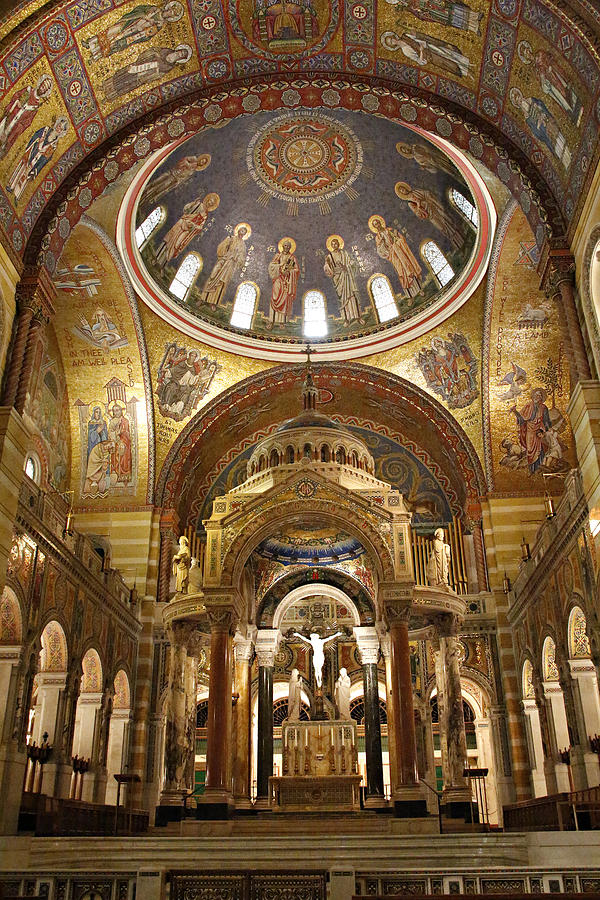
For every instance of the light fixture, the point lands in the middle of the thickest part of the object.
(549, 506)
(506, 585)
(525, 551)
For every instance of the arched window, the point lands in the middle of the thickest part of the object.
(437, 262)
(150, 224)
(465, 206)
(33, 468)
(315, 316)
(527, 685)
(244, 305)
(383, 298)
(357, 711)
(185, 275)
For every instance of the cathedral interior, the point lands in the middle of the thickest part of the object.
(299, 448)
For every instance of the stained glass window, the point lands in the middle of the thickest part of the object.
(383, 298)
(579, 644)
(244, 305)
(437, 262)
(315, 318)
(185, 275)
(468, 210)
(150, 224)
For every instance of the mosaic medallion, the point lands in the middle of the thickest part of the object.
(304, 158)
(283, 29)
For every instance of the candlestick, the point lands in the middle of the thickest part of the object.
(332, 737)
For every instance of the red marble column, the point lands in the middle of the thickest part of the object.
(218, 786)
(404, 732)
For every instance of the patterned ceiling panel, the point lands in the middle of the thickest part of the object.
(76, 73)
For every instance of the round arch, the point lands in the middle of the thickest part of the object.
(91, 678)
(316, 589)
(11, 618)
(577, 639)
(54, 655)
(350, 520)
(549, 667)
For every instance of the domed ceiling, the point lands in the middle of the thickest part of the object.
(275, 230)
(309, 544)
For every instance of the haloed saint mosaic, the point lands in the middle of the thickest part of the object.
(299, 226)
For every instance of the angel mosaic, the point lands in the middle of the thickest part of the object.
(424, 50)
(341, 267)
(184, 376)
(135, 26)
(189, 225)
(181, 172)
(542, 125)
(39, 151)
(426, 205)
(150, 65)
(393, 246)
(450, 370)
(443, 12)
(284, 272)
(22, 110)
(231, 256)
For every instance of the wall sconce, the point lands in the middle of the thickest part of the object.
(549, 506)
(67, 530)
(506, 585)
(525, 551)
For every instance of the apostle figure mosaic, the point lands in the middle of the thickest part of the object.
(257, 228)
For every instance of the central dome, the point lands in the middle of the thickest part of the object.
(338, 227)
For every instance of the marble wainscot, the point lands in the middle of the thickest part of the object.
(320, 767)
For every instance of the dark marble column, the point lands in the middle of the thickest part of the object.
(367, 640)
(265, 732)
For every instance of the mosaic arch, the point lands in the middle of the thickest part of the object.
(339, 228)
(91, 679)
(302, 578)
(257, 402)
(527, 687)
(122, 698)
(579, 644)
(528, 71)
(11, 620)
(549, 667)
(54, 655)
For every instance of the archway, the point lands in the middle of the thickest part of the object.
(86, 728)
(49, 684)
(585, 692)
(118, 735)
(533, 731)
(556, 713)
(11, 636)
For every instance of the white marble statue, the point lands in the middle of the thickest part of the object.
(342, 694)
(317, 643)
(438, 564)
(182, 561)
(294, 695)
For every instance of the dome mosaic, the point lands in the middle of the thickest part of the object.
(332, 227)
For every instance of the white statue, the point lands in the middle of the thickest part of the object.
(438, 564)
(294, 692)
(342, 694)
(181, 566)
(317, 643)
(195, 576)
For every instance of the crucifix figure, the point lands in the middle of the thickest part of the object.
(317, 643)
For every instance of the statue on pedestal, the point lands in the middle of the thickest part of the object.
(317, 643)
(294, 694)
(342, 694)
(438, 564)
(182, 561)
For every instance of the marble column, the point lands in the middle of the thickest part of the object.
(12, 756)
(243, 650)
(266, 646)
(546, 733)
(575, 726)
(456, 796)
(587, 703)
(179, 744)
(392, 721)
(218, 798)
(368, 651)
(59, 768)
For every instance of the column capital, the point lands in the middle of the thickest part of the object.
(223, 606)
(396, 598)
(36, 291)
(243, 648)
(266, 644)
(367, 641)
(182, 632)
(447, 624)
